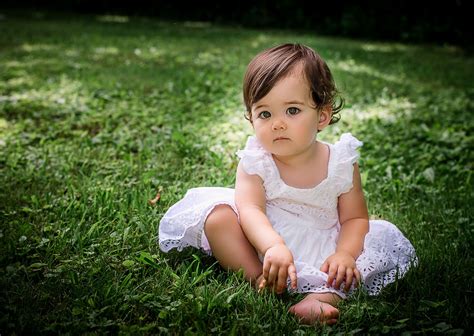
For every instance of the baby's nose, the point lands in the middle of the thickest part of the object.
(279, 124)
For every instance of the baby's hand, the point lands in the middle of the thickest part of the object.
(277, 266)
(341, 266)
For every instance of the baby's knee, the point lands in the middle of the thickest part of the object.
(221, 217)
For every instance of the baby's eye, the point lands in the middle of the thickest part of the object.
(264, 115)
(293, 110)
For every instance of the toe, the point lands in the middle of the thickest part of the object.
(334, 313)
(331, 322)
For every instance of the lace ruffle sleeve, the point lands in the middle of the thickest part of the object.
(349, 145)
(254, 158)
(347, 155)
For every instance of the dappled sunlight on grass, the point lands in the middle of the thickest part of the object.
(113, 18)
(197, 24)
(384, 107)
(230, 132)
(13, 64)
(18, 81)
(156, 52)
(5, 126)
(33, 63)
(106, 51)
(66, 92)
(260, 40)
(211, 57)
(37, 47)
(72, 53)
(354, 67)
(385, 47)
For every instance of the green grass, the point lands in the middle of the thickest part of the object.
(98, 114)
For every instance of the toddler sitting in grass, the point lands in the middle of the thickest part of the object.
(297, 219)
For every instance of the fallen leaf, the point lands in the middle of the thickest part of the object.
(153, 201)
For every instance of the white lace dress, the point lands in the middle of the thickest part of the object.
(307, 219)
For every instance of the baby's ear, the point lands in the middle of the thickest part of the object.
(324, 117)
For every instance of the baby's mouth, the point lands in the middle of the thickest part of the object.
(280, 139)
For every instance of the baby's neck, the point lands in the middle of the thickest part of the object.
(305, 171)
(301, 159)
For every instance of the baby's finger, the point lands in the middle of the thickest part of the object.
(357, 276)
(266, 269)
(262, 285)
(292, 274)
(341, 273)
(325, 267)
(272, 275)
(281, 281)
(332, 274)
(348, 280)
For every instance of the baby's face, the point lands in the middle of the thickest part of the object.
(286, 119)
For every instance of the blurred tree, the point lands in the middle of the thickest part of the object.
(442, 21)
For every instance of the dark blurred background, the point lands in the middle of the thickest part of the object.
(440, 21)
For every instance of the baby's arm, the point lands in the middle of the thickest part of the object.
(278, 261)
(354, 220)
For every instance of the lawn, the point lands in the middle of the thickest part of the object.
(98, 114)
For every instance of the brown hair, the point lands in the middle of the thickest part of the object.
(273, 64)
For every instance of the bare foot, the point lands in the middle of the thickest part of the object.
(315, 308)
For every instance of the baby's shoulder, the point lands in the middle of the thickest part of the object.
(348, 141)
(346, 148)
(254, 159)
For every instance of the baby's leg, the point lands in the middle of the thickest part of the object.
(317, 307)
(229, 244)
